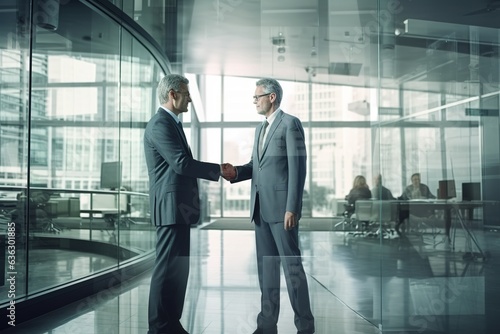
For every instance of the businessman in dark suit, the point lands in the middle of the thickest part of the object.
(174, 203)
(277, 169)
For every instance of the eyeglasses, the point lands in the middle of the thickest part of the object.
(256, 97)
(183, 93)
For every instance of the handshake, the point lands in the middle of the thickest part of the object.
(228, 171)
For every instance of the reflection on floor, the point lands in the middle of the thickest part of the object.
(49, 267)
(358, 285)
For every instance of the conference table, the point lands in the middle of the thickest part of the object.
(462, 211)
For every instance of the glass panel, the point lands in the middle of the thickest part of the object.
(387, 159)
(238, 104)
(341, 103)
(446, 74)
(75, 110)
(14, 153)
(139, 78)
(87, 107)
(423, 155)
(296, 99)
(425, 100)
(238, 147)
(210, 192)
(337, 155)
(213, 101)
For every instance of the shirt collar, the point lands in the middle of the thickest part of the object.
(171, 114)
(272, 117)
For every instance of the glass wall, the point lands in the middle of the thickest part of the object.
(76, 92)
(428, 105)
(76, 89)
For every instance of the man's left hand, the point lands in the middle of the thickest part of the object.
(290, 220)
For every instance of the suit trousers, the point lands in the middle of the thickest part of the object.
(276, 246)
(169, 278)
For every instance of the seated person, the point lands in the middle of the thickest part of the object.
(415, 190)
(360, 190)
(379, 191)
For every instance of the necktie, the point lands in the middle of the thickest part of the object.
(262, 135)
(182, 131)
(184, 135)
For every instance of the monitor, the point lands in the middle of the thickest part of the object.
(111, 175)
(471, 191)
(447, 189)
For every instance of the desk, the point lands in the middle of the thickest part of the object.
(8, 203)
(449, 208)
(399, 210)
(106, 205)
(109, 215)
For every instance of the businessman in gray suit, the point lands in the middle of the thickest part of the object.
(278, 171)
(174, 203)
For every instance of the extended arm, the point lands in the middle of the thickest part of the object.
(164, 139)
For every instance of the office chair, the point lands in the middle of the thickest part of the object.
(117, 209)
(45, 213)
(362, 216)
(126, 215)
(423, 222)
(347, 214)
(384, 214)
(38, 211)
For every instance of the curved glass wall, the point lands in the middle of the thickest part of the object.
(76, 89)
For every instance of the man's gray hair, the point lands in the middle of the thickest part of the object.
(167, 83)
(271, 86)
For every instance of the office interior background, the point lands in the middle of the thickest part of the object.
(390, 87)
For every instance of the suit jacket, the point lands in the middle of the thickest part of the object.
(425, 192)
(357, 194)
(173, 173)
(279, 175)
(382, 193)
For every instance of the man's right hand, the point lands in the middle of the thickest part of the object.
(228, 171)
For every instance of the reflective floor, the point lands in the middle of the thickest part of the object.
(358, 284)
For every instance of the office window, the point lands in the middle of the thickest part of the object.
(237, 149)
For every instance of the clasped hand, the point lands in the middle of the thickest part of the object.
(228, 171)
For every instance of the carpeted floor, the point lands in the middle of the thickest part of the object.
(306, 224)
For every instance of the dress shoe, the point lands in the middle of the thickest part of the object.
(176, 330)
(180, 330)
(265, 331)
